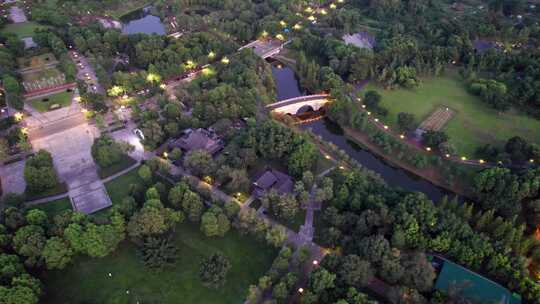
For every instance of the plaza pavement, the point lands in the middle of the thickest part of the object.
(12, 177)
(16, 14)
(71, 152)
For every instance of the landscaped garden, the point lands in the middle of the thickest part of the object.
(88, 280)
(474, 124)
(58, 100)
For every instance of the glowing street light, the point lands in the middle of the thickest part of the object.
(151, 77)
(463, 158)
(363, 106)
(341, 168)
(280, 37)
(401, 136)
(308, 9)
(264, 34)
(225, 60)
(428, 149)
(447, 155)
(165, 154)
(333, 6)
(531, 160)
(211, 55)
(300, 290)
(283, 23)
(315, 262)
(163, 86)
(376, 120)
(327, 156)
(368, 113)
(190, 64)
(18, 116)
(385, 127)
(297, 26)
(481, 161)
(311, 18)
(323, 12)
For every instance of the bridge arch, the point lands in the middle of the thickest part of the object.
(305, 108)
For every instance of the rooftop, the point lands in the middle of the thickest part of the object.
(273, 179)
(199, 139)
(471, 285)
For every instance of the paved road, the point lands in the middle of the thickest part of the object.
(86, 73)
(57, 127)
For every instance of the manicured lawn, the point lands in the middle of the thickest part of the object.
(124, 163)
(118, 188)
(25, 29)
(54, 207)
(63, 99)
(475, 123)
(87, 281)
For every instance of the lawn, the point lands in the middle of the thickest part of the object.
(87, 281)
(125, 162)
(43, 104)
(22, 30)
(475, 123)
(55, 207)
(118, 188)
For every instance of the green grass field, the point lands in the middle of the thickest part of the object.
(54, 207)
(63, 99)
(118, 188)
(25, 29)
(475, 123)
(87, 281)
(125, 162)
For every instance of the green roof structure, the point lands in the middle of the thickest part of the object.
(472, 286)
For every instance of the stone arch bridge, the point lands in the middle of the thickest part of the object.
(294, 106)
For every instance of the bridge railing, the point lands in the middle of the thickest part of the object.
(296, 99)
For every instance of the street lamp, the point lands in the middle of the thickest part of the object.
(315, 262)
(225, 60)
(211, 55)
(18, 116)
(300, 290)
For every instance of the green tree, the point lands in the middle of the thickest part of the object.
(406, 121)
(199, 162)
(213, 270)
(321, 279)
(57, 253)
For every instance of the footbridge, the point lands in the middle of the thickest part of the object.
(296, 105)
(266, 48)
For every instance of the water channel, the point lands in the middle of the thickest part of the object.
(288, 87)
(141, 21)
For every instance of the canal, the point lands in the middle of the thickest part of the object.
(142, 21)
(288, 87)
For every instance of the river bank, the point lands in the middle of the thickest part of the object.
(430, 173)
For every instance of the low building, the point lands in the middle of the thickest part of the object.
(272, 179)
(470, 285)
(198, 139)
